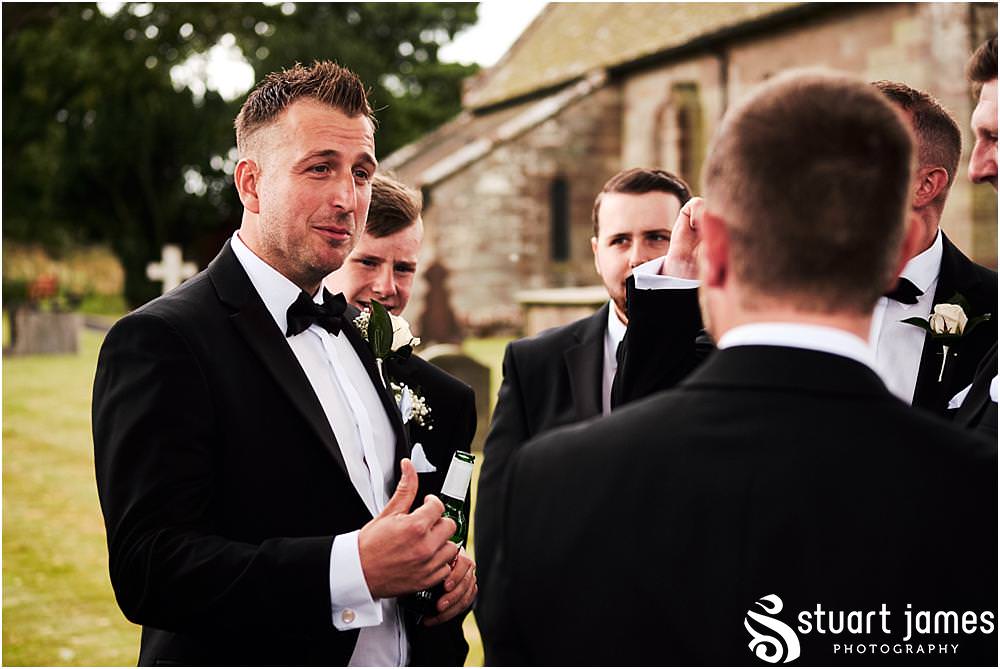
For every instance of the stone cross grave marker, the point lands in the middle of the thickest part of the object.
(172, 269)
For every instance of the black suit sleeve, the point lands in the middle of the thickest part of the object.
(498, 616)
(155, 440)
(508, 432)
(664, 342)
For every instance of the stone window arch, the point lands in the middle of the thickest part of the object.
(678, 134)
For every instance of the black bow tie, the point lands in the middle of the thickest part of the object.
(904, 292)
(304, 312)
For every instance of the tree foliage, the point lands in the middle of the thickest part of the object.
(100, 145)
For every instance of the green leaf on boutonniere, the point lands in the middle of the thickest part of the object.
(379, 330)
(960, 300)
(919, 322)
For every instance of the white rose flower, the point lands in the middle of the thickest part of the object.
(401, 334)
(948, 319)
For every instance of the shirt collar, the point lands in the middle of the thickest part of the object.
(799, 335)
(923, 268)
(274, 288)
(616, 329)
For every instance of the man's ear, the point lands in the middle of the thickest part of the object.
(593, 247)
(928, 184)
(246, 179)
(713, 262)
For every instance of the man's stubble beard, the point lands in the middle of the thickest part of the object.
(296, 260)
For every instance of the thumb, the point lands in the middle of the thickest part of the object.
(406, 491)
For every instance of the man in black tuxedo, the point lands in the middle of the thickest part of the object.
(382, 266)
(977, 405)
(565, 374)
(707, 523)
(246, 450)
(908, 359)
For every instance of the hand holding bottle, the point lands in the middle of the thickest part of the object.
(403, 552)
(460, 590)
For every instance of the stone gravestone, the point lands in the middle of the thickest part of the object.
(38, 326)
(551, 307)
(171, 270)
(451, 359)
(46, 332)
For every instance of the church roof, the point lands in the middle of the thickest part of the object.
(567, 40)
(468, 137)
(567, 52)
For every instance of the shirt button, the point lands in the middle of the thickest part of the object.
(347, 616)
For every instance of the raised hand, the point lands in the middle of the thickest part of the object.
(404, 552)
(682, 256)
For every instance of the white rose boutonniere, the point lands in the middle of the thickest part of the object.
(948, 319)
(948, 324)
(389, 336)
(401, 334)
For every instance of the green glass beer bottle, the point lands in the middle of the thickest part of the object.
(453, 493)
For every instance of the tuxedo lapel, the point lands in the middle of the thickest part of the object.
(252, 320)
(955, 276)
(585, 364)
(388, 401)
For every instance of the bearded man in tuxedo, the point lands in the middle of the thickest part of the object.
(781, 471)
(246, 448)
(566, 374)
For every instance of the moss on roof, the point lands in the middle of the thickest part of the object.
(567, 40)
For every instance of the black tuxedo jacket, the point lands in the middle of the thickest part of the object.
(549, 380)
(222, 484)
(979, 411)
(978, 285)
(452, 419)
(768, 471)
(664, 341)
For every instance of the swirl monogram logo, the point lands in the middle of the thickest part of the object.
(778, 643)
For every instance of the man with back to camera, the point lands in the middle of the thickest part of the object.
(565, 374)
(909, 359)
(780, 475)
(383, 266)
(246, 450)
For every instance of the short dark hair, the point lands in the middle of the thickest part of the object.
(324, 81)
(982, 66)
(939, 141)
(394, 206)
(811, 174)
(637, 181)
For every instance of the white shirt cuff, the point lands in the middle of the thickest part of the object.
(648, 277)
(350, 599)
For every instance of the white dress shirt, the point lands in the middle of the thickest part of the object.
(898, 346)
(613, 335)
(364, 434)
(800, 335)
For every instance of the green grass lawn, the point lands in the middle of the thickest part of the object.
(58, 607)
